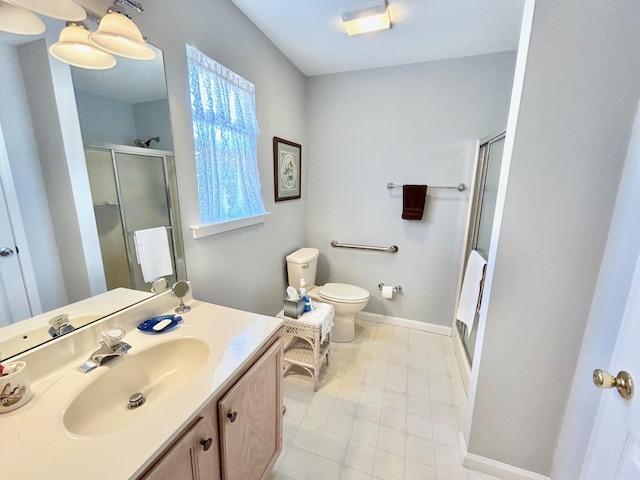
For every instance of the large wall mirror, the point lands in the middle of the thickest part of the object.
(90, 155)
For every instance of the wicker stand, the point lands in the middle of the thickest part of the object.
(305, 348)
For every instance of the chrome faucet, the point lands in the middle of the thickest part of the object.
(111, 347)
(60, 325)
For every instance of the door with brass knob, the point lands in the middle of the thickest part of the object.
(16, 275)
(613, 452)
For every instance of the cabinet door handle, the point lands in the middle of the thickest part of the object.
(232, 416)
(206, 444)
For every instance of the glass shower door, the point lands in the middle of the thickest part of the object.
(106, 208)
(133, 189)
(144, 194)
(483, 213)
(489, 196)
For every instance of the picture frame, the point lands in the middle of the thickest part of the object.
(287, 169)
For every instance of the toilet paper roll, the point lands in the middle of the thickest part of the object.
(387, 292)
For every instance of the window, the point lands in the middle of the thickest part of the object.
(225, 130)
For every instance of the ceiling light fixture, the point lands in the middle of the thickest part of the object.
(61, 9)
(366, 17)
(14, 19)
(118, 34)
(74, 48)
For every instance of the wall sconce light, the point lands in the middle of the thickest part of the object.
(118, 34)
(14, 19)
(366, 17)
(74, 48)
(61, 9)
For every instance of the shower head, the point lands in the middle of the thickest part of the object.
(143, 144)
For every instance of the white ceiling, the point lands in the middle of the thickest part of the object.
(311, 35)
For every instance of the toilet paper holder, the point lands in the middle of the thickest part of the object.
(396, 289)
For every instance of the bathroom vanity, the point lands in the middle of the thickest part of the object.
(213, 399)
(245, 423)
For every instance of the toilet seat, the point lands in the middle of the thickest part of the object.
(343, 293)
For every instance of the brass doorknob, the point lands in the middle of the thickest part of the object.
(622, 382)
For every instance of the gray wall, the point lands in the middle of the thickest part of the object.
(153, 119)
(410, 124)
(54, 115)
(242, 268)
(105, 120)
(569, 146)
(24, 157)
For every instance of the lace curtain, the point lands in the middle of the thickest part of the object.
(225, 130)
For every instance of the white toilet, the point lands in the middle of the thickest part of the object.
(347, 300)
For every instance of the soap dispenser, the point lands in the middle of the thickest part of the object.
(304, 296)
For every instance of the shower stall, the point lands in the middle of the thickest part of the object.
(480, 224)
(133, 189)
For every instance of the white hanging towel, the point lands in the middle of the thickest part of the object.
(471, 289)
(152, 252)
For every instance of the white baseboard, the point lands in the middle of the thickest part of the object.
(486, 465)
(405, 322)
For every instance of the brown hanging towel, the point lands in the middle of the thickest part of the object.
(413, 199)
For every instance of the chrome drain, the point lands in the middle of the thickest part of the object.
(136, 400)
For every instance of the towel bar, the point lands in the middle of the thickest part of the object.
(391, 249)
(461, 187)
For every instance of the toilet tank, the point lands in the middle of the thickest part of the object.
(302, 263)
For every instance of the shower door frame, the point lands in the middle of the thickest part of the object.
(171, 192)
(471, 236)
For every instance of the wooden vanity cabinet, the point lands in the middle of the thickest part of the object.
(250, 417)
(238, 436)
(195, 455)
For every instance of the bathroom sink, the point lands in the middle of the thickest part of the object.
(158, 373)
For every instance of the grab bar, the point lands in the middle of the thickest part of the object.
(460, 187)
(391, 249)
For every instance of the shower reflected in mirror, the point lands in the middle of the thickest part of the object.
(49, 110)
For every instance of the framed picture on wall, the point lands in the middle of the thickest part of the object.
(287, 169)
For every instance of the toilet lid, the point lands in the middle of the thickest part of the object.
(341, 292)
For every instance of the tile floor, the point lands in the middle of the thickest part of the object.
(389, 407)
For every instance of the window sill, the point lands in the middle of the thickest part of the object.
(200, 231)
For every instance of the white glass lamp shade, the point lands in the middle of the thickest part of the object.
(74, 48)
(19, 20)
(61, 9)
(117, 34)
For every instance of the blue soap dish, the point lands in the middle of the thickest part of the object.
(160, 324)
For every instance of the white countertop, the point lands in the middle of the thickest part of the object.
(34, 444)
